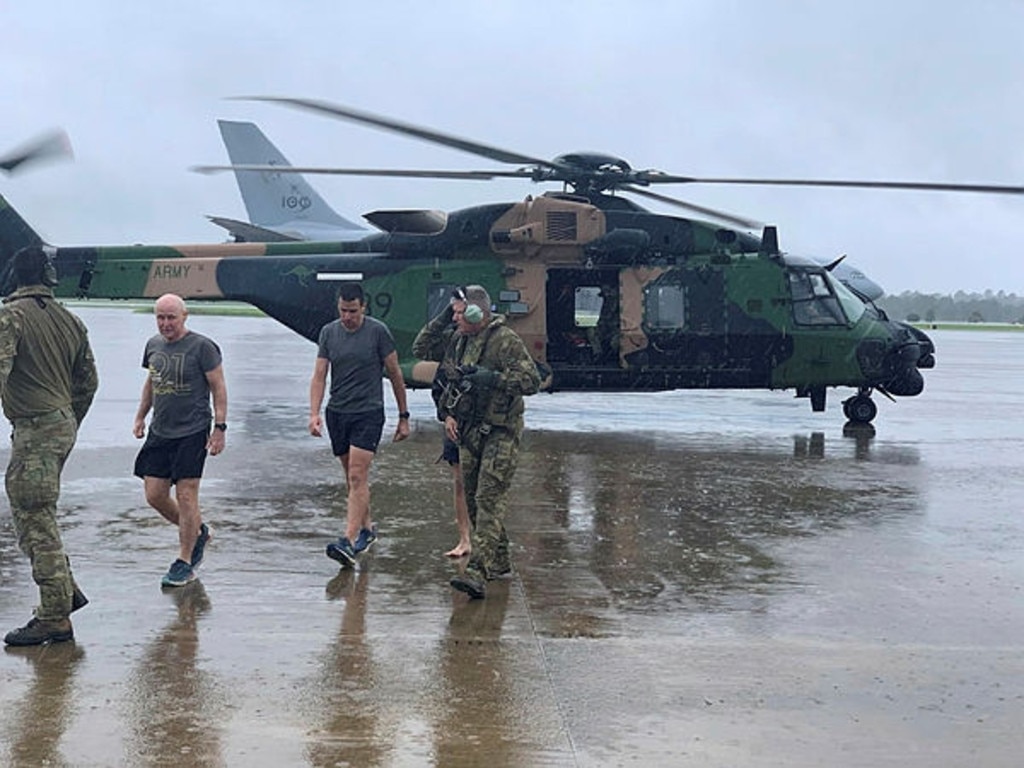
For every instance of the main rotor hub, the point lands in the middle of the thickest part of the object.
(589, 171)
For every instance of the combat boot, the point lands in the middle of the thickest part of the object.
(40, 632)
(472, 582)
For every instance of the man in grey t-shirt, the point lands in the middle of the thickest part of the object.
(184, 371)
(359, 352)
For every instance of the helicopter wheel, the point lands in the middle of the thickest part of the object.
(860, 409)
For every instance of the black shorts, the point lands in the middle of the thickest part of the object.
(450, 451)
(172, 458)
(363, 430)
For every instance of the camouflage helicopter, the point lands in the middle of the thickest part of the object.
(607, 295)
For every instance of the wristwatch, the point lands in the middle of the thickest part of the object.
(403, 415)
(221, 426)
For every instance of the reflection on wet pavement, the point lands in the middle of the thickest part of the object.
(37, 728)
(172, 701)
(719, 578)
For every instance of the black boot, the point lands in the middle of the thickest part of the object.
(40, 632)
(472, 582)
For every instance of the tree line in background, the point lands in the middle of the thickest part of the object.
(987, 307)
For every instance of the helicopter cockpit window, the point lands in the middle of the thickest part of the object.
(853, 305)
(664, 307)
(814, 302)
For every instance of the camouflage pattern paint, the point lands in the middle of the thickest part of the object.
(698, 305)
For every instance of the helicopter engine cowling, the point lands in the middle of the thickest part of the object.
(620, 246)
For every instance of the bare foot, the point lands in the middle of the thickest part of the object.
(459, 550)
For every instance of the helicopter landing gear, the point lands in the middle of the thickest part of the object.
(860, 409)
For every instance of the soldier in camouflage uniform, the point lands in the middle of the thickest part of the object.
(489, 371)
(430, 344)
(47, 383)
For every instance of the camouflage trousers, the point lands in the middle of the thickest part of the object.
(39, 448)
(487, 472)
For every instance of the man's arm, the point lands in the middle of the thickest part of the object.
(394, 372)
(145, 403)
(84, 382)
(432, 340)
(219, 391)
(519, 374)
(9, 333)
(317, 387)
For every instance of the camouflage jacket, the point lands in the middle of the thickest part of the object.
(46, 362)
(497, 348)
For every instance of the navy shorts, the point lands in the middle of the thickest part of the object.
(172, 458)
(362, 430)
(450, 451)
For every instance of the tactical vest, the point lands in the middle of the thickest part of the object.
(475, 407)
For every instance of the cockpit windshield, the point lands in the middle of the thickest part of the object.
(819, 299)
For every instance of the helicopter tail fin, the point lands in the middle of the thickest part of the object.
(276, 200)
(15, 233)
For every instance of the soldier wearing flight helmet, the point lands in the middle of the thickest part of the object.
(490, 371)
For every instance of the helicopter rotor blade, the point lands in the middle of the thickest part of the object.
(722, 215)
(394, 173)
(655, 177)
(50, 145)
(426, 134)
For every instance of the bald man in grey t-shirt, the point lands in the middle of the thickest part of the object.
(184, 371)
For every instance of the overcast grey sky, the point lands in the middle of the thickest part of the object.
(926, 90)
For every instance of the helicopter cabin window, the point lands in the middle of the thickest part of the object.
(588, 306)
(813, 300)
(664, 307)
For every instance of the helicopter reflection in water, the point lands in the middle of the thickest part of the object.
(692, 521)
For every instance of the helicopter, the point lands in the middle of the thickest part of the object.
(607, 296)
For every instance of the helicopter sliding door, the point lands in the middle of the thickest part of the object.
(661, 327)
(699, 327)
(685, 322)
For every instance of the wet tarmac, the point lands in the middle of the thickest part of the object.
(701, 578)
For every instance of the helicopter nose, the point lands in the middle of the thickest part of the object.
(927, 356)
(914, 353)
(910, 354)
(908, 382)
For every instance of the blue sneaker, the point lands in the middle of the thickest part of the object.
(342, 551)
(365, 539)
(199, 547)
(179, 574)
